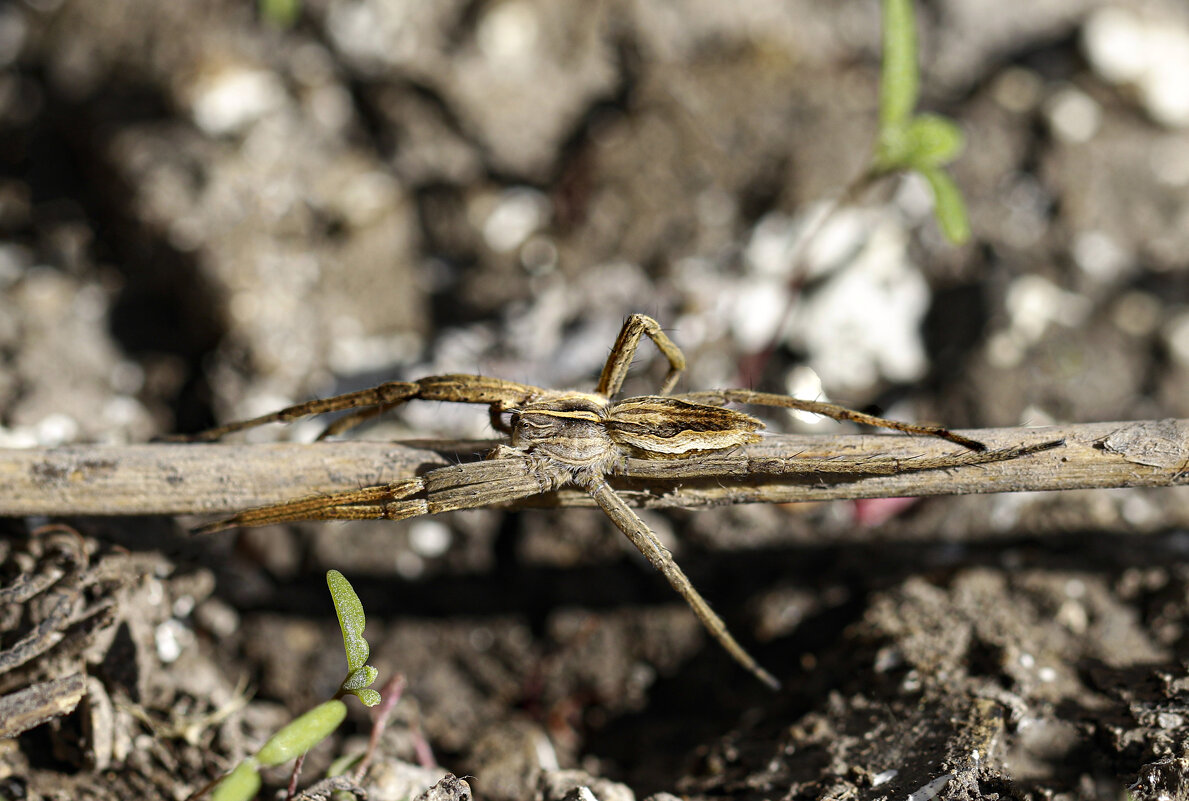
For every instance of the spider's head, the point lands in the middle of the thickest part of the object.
(568, 429)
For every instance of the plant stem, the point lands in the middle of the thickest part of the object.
(170, 479)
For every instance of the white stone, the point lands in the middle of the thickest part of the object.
(1149, 52)
(430, 538)
(1073, 115)
(233, 99)
(1100, 256)
(1114, 41)
(864, 322)
(517, 215)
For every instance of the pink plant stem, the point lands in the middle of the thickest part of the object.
(390, 694)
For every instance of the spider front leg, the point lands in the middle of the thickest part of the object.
(356, 418)
(658, 555)
(495, 392)
(319, 507)
(464, 486)
(624, 350)
(720, 397)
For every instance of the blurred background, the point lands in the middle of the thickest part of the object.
(210, 210)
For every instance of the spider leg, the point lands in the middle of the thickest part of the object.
(720, 397)
(624, 350)
(495, 392)
(355, 418)
(740, 465)
(496, 418)
(464, 486)
(658, 555)
(314, 507)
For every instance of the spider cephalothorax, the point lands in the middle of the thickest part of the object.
(569, 429)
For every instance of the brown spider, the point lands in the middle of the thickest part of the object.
(559, 438)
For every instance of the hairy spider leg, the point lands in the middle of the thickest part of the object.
(354, 419)
(740, 465)
(624, 350)
(494, 392)
(349, 421)
(464, 486)
(312, 506)
(720, 397)
(659, 557)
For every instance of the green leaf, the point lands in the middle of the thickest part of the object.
(241, 784)
(360, 679)
(282, 13)
(351, 619)
(948, 206)
(357, 684)
(368, 697)
(927, 140)
(343, 764)
(932, 141)
(303, 733)
(899, 75)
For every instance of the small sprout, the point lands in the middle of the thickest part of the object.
(352, 621)
(240, 784)
(922, 143)
(302, 734)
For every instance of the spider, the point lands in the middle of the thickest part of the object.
(559, 438)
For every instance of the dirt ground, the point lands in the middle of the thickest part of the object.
(207, 214)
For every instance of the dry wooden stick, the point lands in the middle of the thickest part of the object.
(223, 478)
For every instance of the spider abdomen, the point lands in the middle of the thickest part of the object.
(657, 427)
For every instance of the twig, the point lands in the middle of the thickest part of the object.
(221, 478)
(291, 790)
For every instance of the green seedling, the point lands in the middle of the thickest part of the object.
(905, 141)
(360, 675)
(302, 734)
(922, 143)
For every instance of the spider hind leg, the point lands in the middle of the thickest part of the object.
(719, 397)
